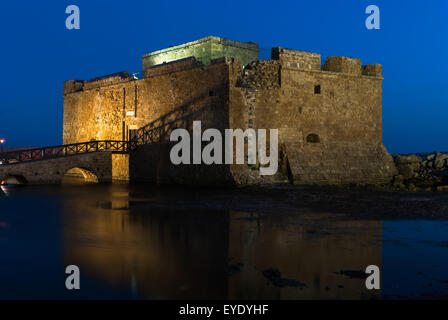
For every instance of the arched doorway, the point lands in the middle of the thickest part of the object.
(79, 176)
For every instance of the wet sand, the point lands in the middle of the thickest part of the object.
(354, 203)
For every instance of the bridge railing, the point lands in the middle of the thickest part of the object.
(62, 151)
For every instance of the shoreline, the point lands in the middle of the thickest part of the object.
(350, 202)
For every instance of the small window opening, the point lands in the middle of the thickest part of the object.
(317, 89)
(211, 93)
(313, 138)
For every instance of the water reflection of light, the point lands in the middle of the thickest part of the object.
(157, 253)
(150, 255)
(306, 249)
(134, 287)
(5, 190)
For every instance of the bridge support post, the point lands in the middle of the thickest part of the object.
(120, 167)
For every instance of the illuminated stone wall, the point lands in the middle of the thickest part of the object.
(120, 166)
(329, 118)
(109, 112)
(204, 50)
(96, 109)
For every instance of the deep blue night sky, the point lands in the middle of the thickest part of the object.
(39, 53)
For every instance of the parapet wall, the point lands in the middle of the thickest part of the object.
(343, 65)
(351, 66)
(174, 66)
(372, 70)
(107, 80)
(72, 86)
(297, 59)
(204, 50)
(303, 60)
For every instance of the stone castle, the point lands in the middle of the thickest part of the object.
(328, 116)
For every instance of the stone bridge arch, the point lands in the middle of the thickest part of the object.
(13, 179)
(95, 166)
(79, 174)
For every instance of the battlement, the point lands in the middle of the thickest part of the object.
(351, 66)
(343, 65)
(303, 60)
(213, 50)
(71, 86)
(372, 70)
(204, 50)
(173, 66)
(297, 59)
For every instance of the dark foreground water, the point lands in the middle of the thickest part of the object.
(149, 243)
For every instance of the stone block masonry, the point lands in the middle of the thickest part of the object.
(120, 166)
(329, 117)
(204, 50)
(297, 59)
(343, 65)
(105, 166)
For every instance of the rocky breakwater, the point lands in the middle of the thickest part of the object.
(421, 172)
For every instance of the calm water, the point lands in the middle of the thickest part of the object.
(146, 243)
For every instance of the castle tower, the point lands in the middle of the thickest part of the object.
(329, 117)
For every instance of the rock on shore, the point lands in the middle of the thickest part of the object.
(421, 172)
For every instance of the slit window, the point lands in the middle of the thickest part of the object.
(317, 89)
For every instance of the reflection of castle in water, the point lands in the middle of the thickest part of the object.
(185, 254)
(309, 251)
